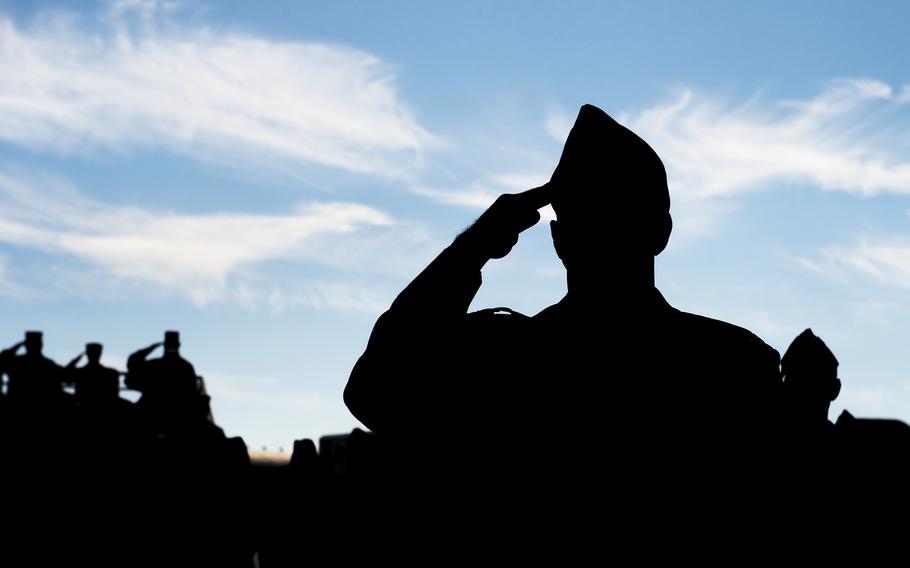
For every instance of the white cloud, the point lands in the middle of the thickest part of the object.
(833, 141)
(232, 98)
(474, 196)
(558, 124)
(336, 296)
(847, 138)
(904, 96)
(885, 261)
(844, 139)
(192, 254)
(482, 193)
(8, 287)
(231, 386)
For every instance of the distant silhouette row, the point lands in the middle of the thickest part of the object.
(169, 384)
(131, 465)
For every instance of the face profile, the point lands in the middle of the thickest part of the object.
(810, 380)
(610, 194)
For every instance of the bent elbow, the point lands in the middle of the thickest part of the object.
(359, 399)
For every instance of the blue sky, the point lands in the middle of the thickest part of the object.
(265, 177)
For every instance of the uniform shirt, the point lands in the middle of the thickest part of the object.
(33, 378)
(95, 383)
(568, 381)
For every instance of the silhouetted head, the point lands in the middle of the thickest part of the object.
(172, 341)
(34, 342)
(610, 195)
(810, 375)
(93, 352)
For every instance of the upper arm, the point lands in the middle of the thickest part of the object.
(441, 374)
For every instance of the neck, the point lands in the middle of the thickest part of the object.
(631, 282)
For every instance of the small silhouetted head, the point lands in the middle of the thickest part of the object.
(810, 372)
(34, 342)
(609, 192)
(93, 352)
(171, 340)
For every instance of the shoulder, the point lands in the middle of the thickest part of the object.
(717, 335)
(505, 317)
(490, 329)
(49, 363)
(497, 316)
(715, 327)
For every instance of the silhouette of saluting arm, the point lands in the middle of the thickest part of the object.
(74, 362)
(166, 381)
(32, 377)
(94, 382)
(70, 369)
(8, 354)
(137, 377)
(391, 388)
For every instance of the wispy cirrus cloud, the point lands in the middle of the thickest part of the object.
(8, 286)
(883, 260)
(190, 254)
(849, 138)
(355, 297)
(843, 140)
(904, 96)
(480, 194)
(144, 80)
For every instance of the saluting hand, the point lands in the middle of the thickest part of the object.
(75, 360)
(496, 231)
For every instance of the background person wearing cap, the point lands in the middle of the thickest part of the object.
(168, 383)
(809, 371)
(611, 367)
(32, 377)
(95, 384)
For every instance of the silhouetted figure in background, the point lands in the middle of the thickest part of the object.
(170, 375)
(95, 384)
(192, 465)
(810, 384)
(169, 386)
(614, 381)
(33, 379)
(810, 451)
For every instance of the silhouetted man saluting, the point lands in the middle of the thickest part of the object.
(168, 383)
(96, 385)
(33, 378)
(611, 372)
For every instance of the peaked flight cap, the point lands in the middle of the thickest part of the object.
(605, 162)
(807, 350)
